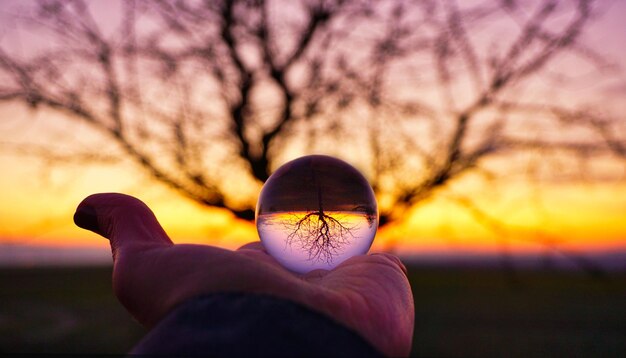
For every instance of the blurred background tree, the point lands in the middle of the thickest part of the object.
(209, 97)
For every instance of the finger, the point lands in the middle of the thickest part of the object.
(374, 258)
(393, 258)
(255, 245)
(257, 251)
(122, 219)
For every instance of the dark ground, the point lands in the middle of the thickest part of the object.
(459, 312)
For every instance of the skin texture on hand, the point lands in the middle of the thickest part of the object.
(369, 294)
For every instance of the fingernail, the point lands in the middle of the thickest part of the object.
(86, 218)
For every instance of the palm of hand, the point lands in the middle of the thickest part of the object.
(369, 294)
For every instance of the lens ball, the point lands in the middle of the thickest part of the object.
(315, 212)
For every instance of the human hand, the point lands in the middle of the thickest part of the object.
(369, 294)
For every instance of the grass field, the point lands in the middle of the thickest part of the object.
(459, 312)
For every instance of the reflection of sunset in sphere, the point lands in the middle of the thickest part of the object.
(315, 212)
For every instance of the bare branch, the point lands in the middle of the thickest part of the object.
(204, 95)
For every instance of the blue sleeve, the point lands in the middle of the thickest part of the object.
(244, 325)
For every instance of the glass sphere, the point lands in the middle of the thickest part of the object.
(315, 212)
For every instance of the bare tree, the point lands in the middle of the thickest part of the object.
(469, 129)
(180, 87)
(319, 233)
(204, 95)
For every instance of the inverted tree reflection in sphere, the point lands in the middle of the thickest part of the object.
(315, 212)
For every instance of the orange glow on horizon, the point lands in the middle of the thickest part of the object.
(584, 217)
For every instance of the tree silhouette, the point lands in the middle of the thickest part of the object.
(204, 95)
(322, 235)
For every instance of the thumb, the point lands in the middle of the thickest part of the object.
(123, 219)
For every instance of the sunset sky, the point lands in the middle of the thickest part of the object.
(38, 198)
